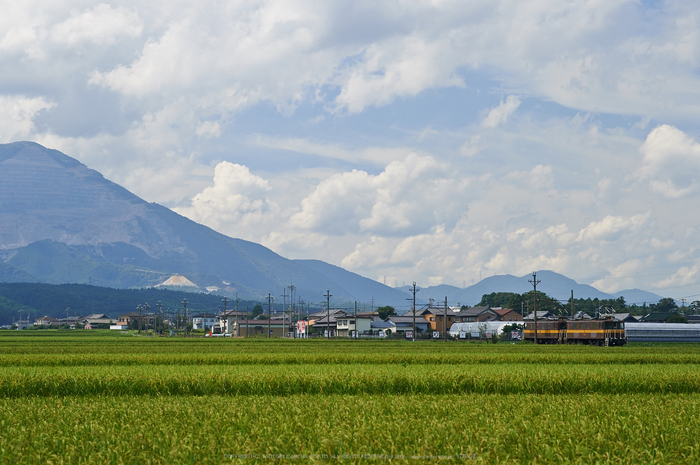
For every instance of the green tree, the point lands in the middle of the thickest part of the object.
(499, 299)
(677, 319)
(545, 303)
(385, 311)
(667, 304)
(257, 310)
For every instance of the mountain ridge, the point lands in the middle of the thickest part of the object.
(61, 222)
(551, 283)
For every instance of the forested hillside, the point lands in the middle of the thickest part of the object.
(81, 299)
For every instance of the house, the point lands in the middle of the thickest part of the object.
(23, 324)
(209, 321)
(387, 327)
(541, 315)
(147, 319)
(437, 317)
(46, 321)
(259, 328)
(347, 323)
(403, 323)
(658, 317)
(96, 321)
(325, 321)
(126, 318)
(508, 314)
(56, 322)
(226, 321)
(470, 315)
(626, 317)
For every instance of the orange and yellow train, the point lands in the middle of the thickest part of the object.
(601, 332)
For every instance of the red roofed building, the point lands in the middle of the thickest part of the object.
(507, 314)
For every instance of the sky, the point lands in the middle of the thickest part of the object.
(437, 141)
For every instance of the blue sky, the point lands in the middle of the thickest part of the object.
(429, 141)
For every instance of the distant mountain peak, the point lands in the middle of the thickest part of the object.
(61, 222)
(550, 282)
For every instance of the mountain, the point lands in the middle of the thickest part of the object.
(637, 296)
(61, 222)
(551, 283)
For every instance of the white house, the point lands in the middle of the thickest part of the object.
(209, 321)
(347, 323)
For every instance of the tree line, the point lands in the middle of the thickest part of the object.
(56, 300)
(590, 306)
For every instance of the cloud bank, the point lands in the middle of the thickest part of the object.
(427, 141)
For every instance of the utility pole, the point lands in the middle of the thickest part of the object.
(572, 305)
(237, 315)
(534, 281)
(355, 320)
(269, 313)
(328, 295)
(184, 311)
(225, 301)
(146, 307)
(292, 315)
(139, 308)
(413, 309)
(445, 326)
(160, 316)
(284, 308)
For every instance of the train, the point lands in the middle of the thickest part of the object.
(598, 332)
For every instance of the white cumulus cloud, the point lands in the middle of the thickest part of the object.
(671, 162)
(409, 195)
(17, 115)
(99, 25)
(502, 112)
(237, 199)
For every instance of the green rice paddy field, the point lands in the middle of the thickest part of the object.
(86, 397)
